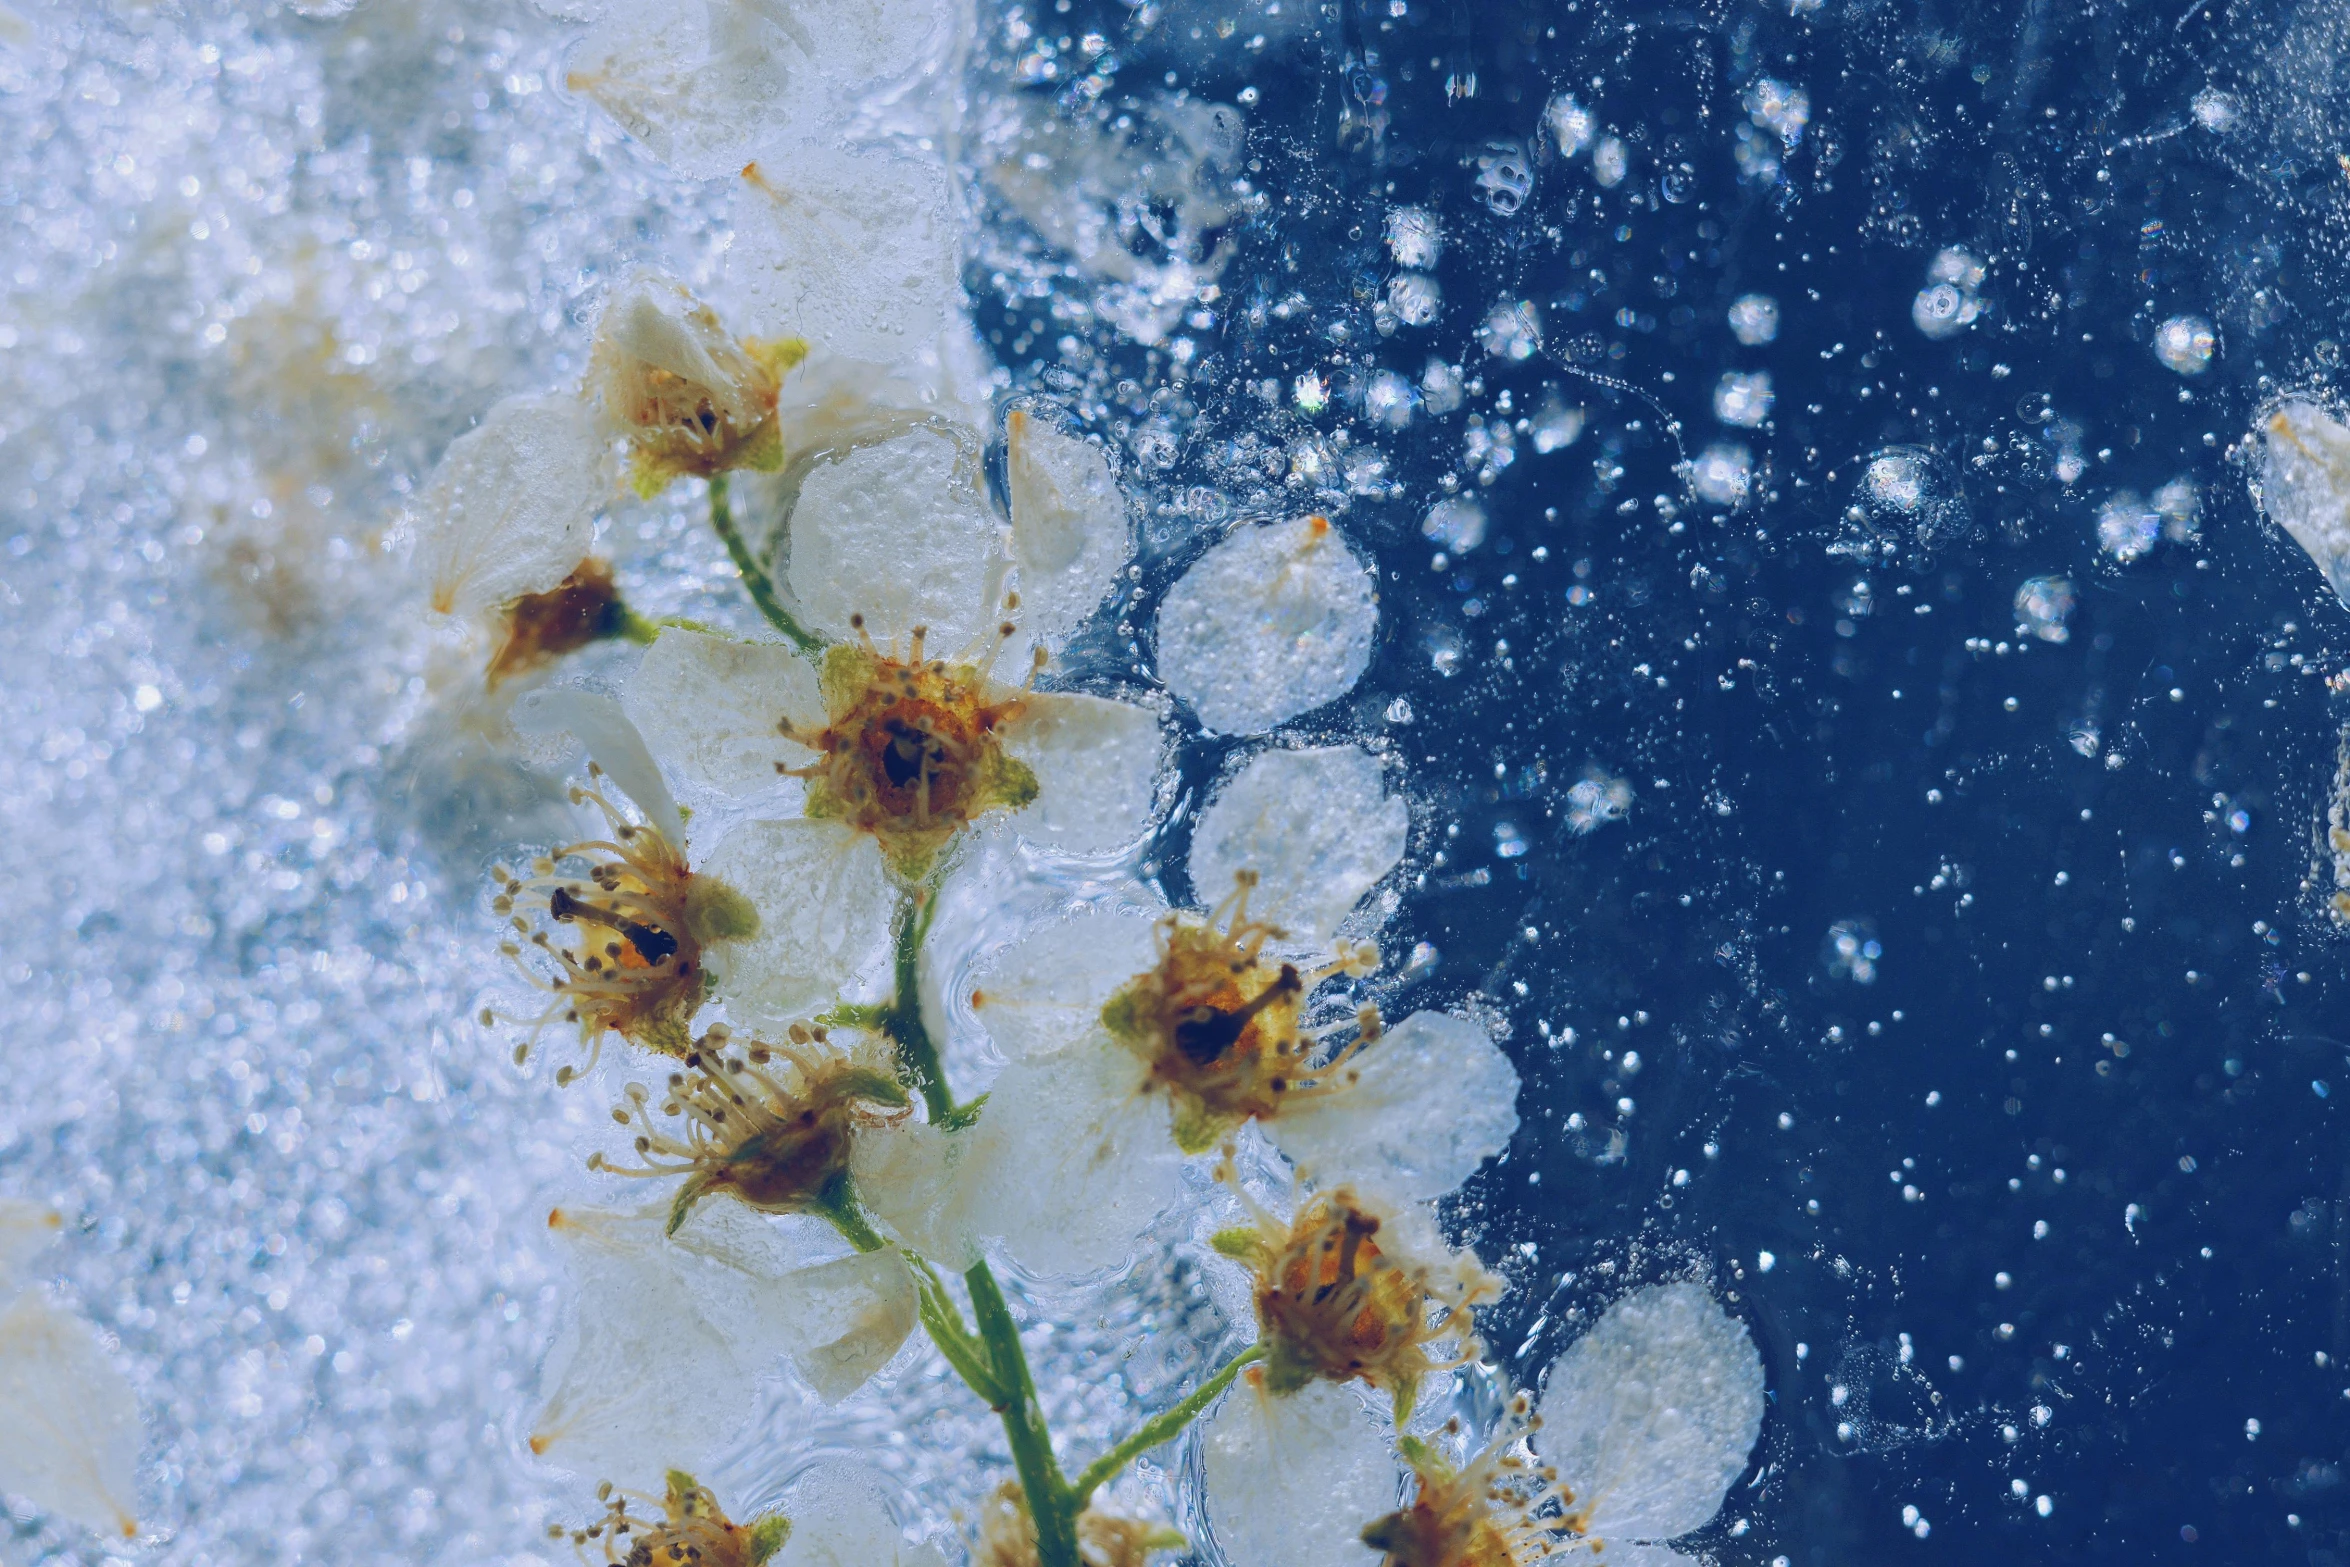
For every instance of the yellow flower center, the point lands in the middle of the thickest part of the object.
(1493, 1512)
(692, 1531)
(911, 751)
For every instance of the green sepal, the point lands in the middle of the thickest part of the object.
(879, 1087)
(963, 1115)
(696, 1187)
(767, 1536)
(715, 911)
(1241, 1243)
(1198, 1129)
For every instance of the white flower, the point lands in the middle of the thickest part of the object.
(688, 397)
(511, 509)
(672, 1335)
(2304, 484)
(1133, 1042)
(1070, 534)
(69, 1423)
(1273, 622)
(1650, 1416)
(1292, 1479)
(704, 83)
(780, 916)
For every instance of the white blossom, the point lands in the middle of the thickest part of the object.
(840, 1517)
(2304, 484)
(1292, 1479)
(69, 1422)
(511, 508)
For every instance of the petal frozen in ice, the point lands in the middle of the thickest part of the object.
(1273, 622)
(673, 1334)
(1650, 1416)
(1291, 1481)
(709, 705)
(1043, 994)
(831, 404)
(69, 1423)
(694, 80)
(1097, 769)
(26, 1229)
(857, 252)
(512, 507)
(1073, 1161)
(825, 903)
(1420, 1108)
(602, 726)
(840, 1518)
(910, 1176)
(1317, 827)
(654, 327)
(1070, 533)
(2305, 484)
(900, 534)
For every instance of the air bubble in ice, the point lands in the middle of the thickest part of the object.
(1722, 474)
(1948, 305)
(1851, 951)
(1414, 298)
(1904, 502)
(1779, 108)
(1389, 400)
(1596, 800)
(1610, 161)
(1743, 399)
(2216, 111)
(1897, 481)
(2185, 344)
(2181, 507)
(2127, 527)
(1555, 425)
(1457, 523)
(2043, 605)
(1440, 384)
(1754, 319)
(1570, 124)
(1511, 330)
(1505, 175)
(1413, 237)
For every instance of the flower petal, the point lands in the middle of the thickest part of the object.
(512, 507)
(899, 534)
(859, 252)
(2304, 463)
(26, 1229)
(1273, 622)
(69, 1423)
(910, 1175)
(1317, 827)
(1097, 769)
(1070, 533)
(695, 82)
(1420, 1108)
(601, 725)
(1044, 993)
(850, 1316)
(1292, 1481)
(840, 1518)
(1650, 1416)
(709, 706)
(1072, 1160)
(825, 904)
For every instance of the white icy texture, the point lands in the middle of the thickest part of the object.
(1292, 1481)
(2304, 472)
(857, 252)
(1421, 1107)
(901, 534)
(1650, 1416)
(1070, 532)
(840, 1517)
(1318, 827)
(671, 1336)
(512, 507)
(1273, 622)
(26, 1230)
(708, 706)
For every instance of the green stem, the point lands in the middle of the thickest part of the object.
(918, 1059)
(755, 579)
(1052, 1506)
(1162, 1427)
(839, 1206)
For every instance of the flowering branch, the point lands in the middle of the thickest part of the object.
(1052, 1504)
(755, 578)
(1162, 1427)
